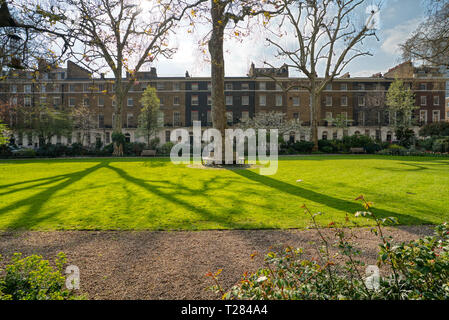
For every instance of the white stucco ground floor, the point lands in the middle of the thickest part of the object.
(104, 135)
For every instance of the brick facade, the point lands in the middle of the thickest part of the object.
(183, 99)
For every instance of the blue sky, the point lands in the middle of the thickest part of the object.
(398, 18)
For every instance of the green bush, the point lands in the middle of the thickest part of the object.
(133, 148)
(118, 137)
(417, 269)
(154, 143)
(32, 278)
(52, 150)
(394, 150)
(373, 147)
(302, 146)
(440, 145)
(25, 153)
(435, 129)
(425, 144)
(165, 148)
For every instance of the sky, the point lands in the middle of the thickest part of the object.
(398, 19)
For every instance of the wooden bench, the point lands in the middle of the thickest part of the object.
(210, 160)
(357, 150)
(148, 153)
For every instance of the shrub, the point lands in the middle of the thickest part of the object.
(77, 149)
(5, 151)
(440, 145)
(373, 147)
(394, 150)
(32, 278)
(418, 269)
(133, 148)
(435, 129)
(405, 136)
(52, 150)
(118, 137)
(154, 143)
(425, 144)
(25, 153)
(302, 146)
(165, 148)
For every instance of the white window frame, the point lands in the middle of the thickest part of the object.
(423, 101)
(229, 100)
(27, 102)
(423, 116)
(262, 100)
(296, 101)
(433, 115)
(361, 102)
(245, 100)
(279, 100)
(194, 100)
(344, 101)
(436, 100)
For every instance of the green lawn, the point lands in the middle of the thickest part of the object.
(157, 195)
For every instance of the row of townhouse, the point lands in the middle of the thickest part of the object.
(186, 99)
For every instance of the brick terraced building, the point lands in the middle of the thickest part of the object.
(361, 100)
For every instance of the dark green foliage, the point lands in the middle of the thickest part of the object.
(154, 143)
(133, 148)
(435, 129)
(165, 149)
(405, 136)
(118, 137)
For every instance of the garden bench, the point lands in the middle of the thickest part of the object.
(148, 153)
(210, 160)
(357, 150)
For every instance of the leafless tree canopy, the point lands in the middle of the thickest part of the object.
(30, 31)
(430, 41)
(327, 36)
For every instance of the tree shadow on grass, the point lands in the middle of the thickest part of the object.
(34, 203)
(331, 202)
(223, 221)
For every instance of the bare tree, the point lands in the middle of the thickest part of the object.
(121, 35)
(327, 38)
(31, 31)
(430, 41)
(83, 120)
(229, 17)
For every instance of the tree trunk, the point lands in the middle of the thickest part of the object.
(217, 72)
(117, 125)
(315, 118)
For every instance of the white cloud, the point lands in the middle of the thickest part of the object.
(397, 35)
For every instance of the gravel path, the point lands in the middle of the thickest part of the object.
(171, 265)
